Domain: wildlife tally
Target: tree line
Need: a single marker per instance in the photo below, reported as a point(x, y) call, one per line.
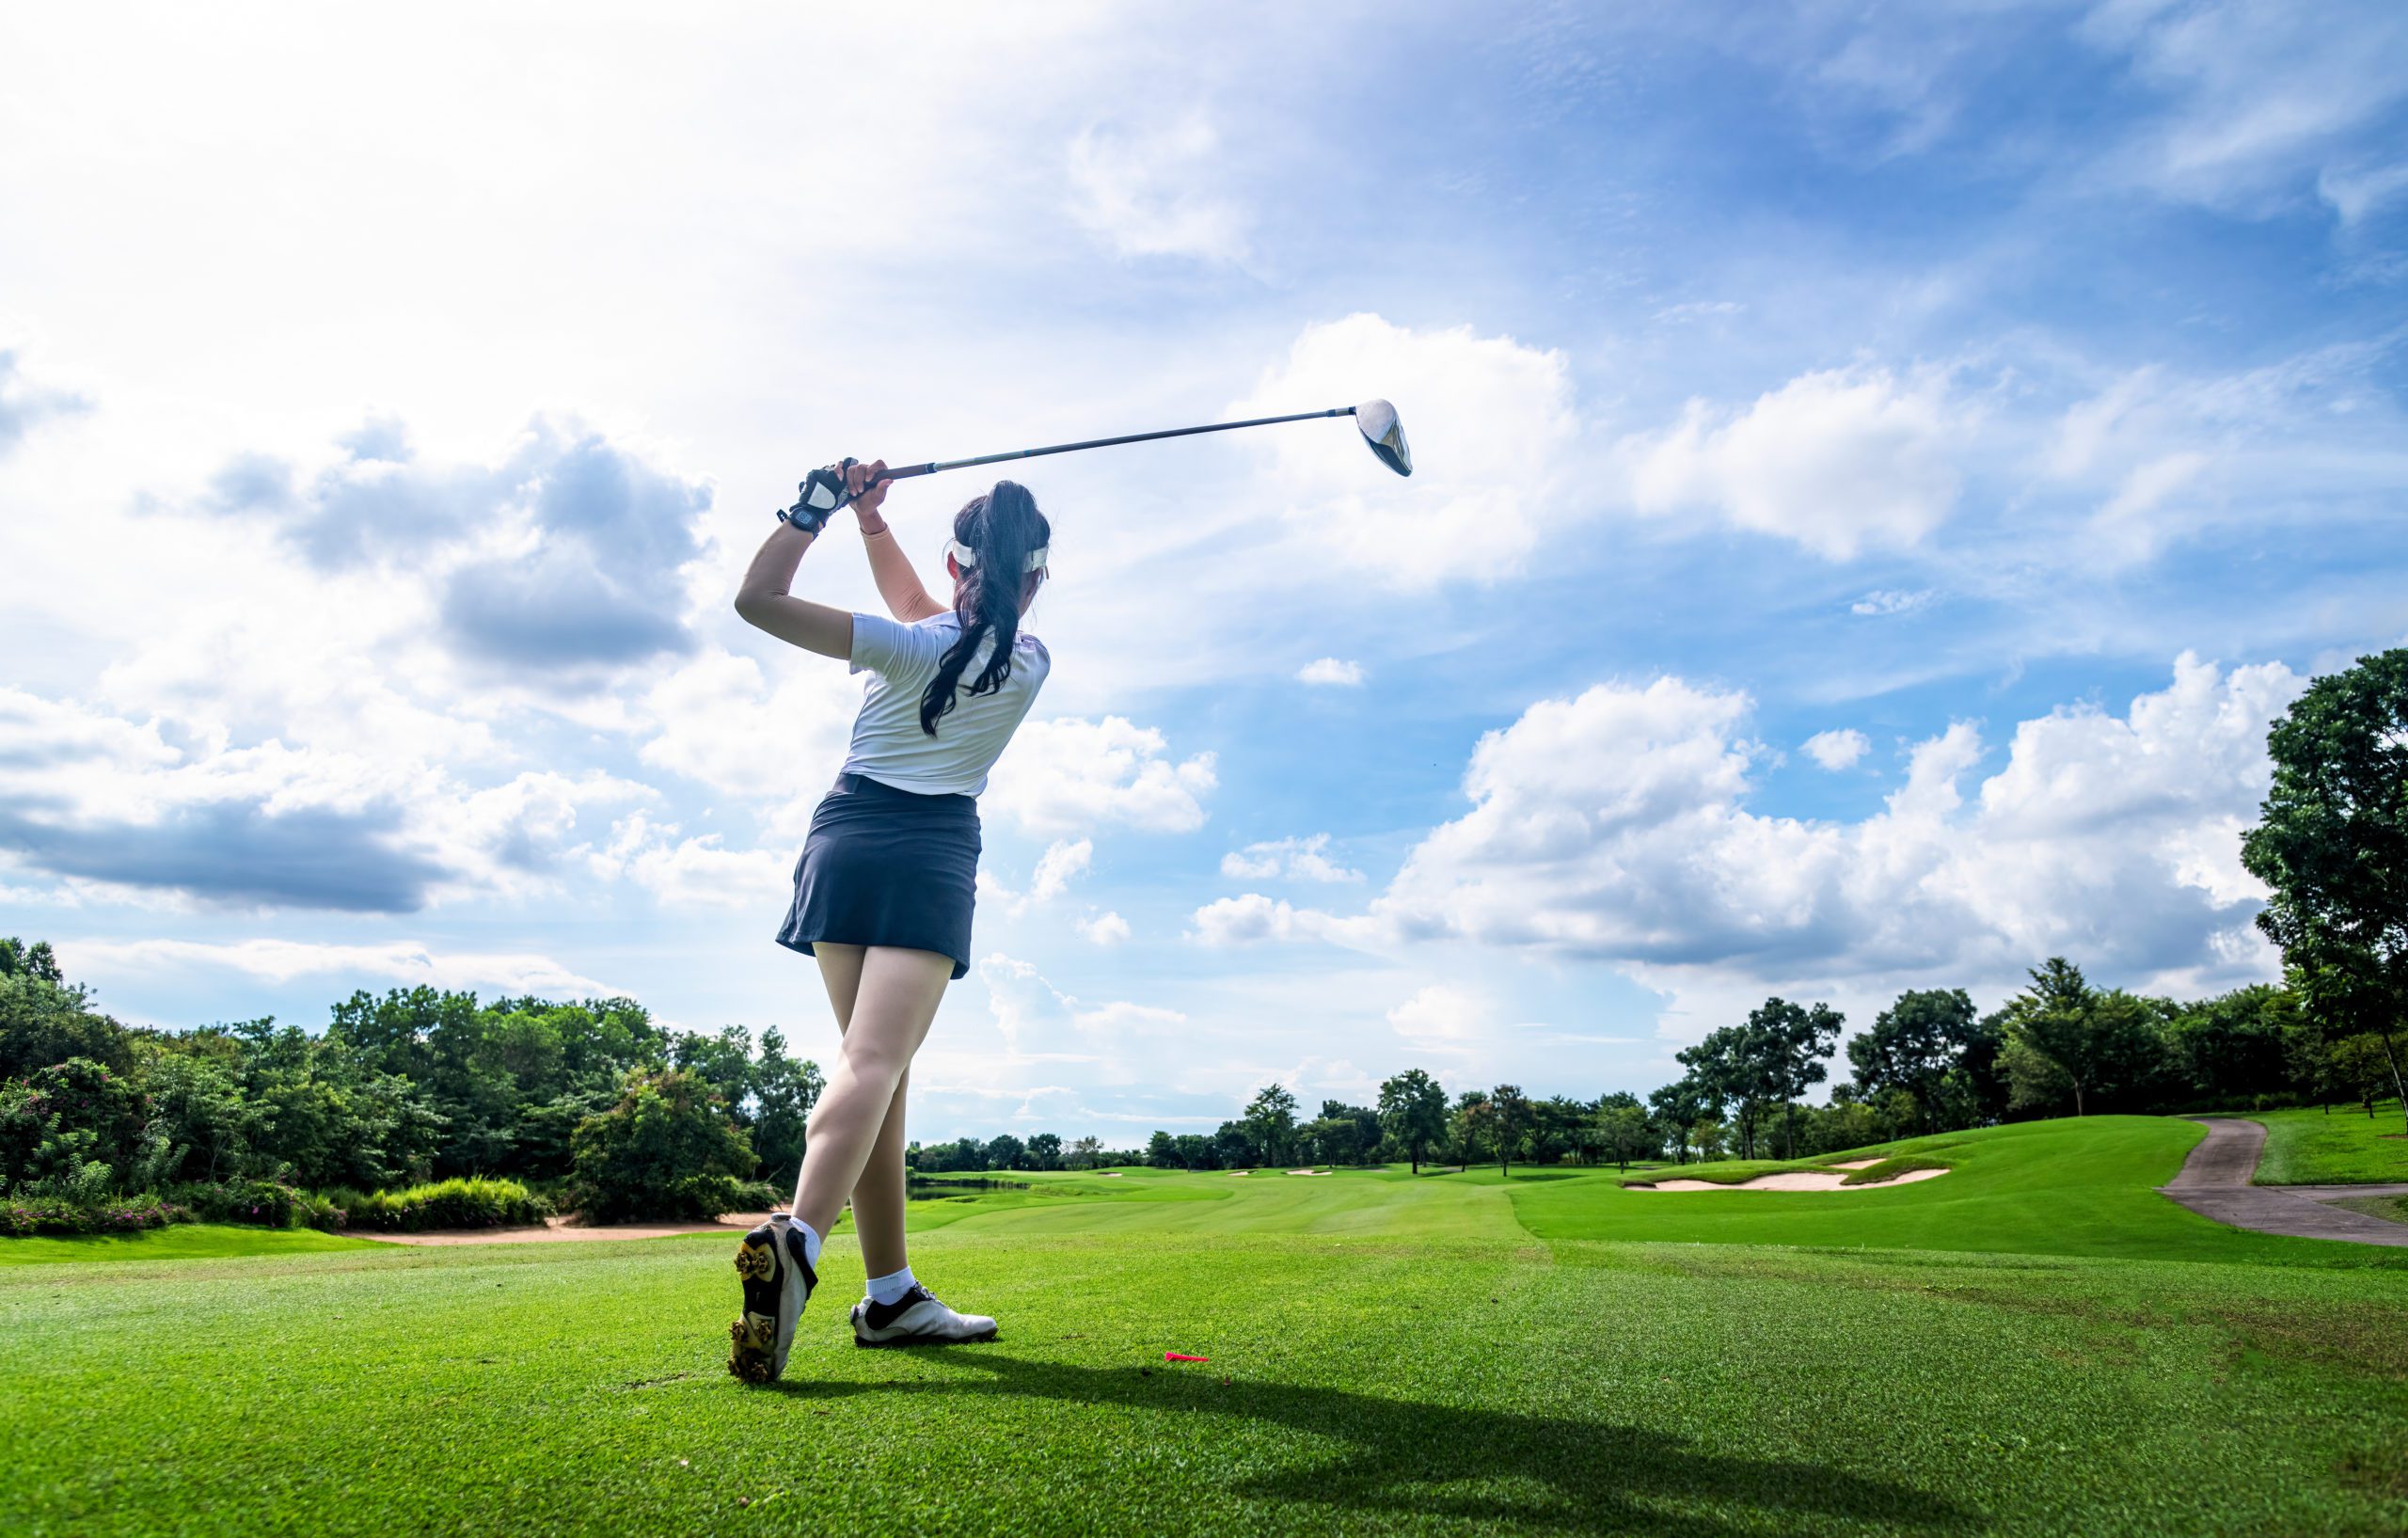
point(1930, 1062)
point(416, 1086)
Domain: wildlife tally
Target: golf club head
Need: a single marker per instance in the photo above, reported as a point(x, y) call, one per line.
point(1385, 434)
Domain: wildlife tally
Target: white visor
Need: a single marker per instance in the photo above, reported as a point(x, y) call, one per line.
point(964, 557)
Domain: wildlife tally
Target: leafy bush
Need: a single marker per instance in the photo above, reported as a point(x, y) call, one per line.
point(667, 1150)
point(320, 1213)
point(260, 1204)
point(22, 1215)
point(65, 1127)
point(457, 1203)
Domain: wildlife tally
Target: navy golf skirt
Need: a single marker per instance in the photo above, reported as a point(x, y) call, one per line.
point(882, 867)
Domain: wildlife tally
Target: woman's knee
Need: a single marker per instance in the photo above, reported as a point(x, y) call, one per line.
point(876, 1063)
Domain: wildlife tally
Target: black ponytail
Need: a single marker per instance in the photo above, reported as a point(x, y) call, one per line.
point(1001, 528)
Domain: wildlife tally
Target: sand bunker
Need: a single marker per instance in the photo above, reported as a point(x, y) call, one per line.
point(1111, 1175)
point(1856, 1163)
point(1240, 1174)
point(558, 1229)
point(1794, 1180)
point(1309, 1172)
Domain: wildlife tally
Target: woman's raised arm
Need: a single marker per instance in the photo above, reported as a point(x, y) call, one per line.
point(898, 583)
point(766, 599)
point(766, 605)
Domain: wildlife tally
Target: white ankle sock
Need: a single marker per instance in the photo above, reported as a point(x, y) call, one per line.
point(811, 1241)
point(891, 1287)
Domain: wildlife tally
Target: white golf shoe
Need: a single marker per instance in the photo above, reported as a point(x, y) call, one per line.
point(916, 1318)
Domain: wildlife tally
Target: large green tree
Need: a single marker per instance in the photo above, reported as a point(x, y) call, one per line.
point(1726, 1071)
point(2066, 1037)
point(1413, 1113)
point(1790, 1047)
point(668, 1149)
point(1625, 1132)
point(1271, 1122)
point(2236, 1046)
point(19, 960)
point(784, 1089)
point(46, 1019)
point(2332, 846)
point(1472, 1126)
point(1679, 1106)
point(1515, 1120)
point(1911, 1047)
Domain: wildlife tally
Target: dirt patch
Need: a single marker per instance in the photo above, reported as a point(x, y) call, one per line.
point(1794, 1180)
point(558, 1229)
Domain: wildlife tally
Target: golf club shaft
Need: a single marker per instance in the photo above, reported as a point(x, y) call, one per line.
point(906, 471)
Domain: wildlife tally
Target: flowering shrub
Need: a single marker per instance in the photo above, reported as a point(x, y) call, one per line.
point(471, 1203)
point(23, 1215)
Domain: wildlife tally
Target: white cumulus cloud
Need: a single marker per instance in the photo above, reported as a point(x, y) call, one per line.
point(1493, 429)
point(1333, 672)
point(1068, 775)
point(1839, 461)
point(1062, 861)
point(281, 961)
point(1614, 826)
point(1836, 750)
point(1298, 859)
point(1891, 601)
point(1442, 1017)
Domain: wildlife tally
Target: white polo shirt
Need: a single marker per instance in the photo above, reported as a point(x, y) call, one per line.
point(888, 745)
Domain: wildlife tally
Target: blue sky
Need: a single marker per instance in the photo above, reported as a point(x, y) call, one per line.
point(1880, 469)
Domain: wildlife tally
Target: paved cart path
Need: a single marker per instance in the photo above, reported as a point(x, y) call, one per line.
point(2215, 1183)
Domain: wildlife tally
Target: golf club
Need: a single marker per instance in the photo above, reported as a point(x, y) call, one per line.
point(1377, 420)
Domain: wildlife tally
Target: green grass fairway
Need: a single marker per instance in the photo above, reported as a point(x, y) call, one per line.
point(181, 1242)
point(1372, 1385)
point(2343, 1147)
point(2083, 1186)
point(2079, 1186)
point(1448, 1354)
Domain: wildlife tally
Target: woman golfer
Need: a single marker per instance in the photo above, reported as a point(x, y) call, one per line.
point(882, 892)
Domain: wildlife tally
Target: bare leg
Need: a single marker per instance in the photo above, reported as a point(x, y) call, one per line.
point(878, 1194)
point(895, 1001)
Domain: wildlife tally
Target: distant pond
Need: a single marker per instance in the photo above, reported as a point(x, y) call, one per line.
point(922, 1187)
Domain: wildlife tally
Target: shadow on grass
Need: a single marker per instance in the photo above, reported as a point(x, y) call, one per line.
point(1481, 1466)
